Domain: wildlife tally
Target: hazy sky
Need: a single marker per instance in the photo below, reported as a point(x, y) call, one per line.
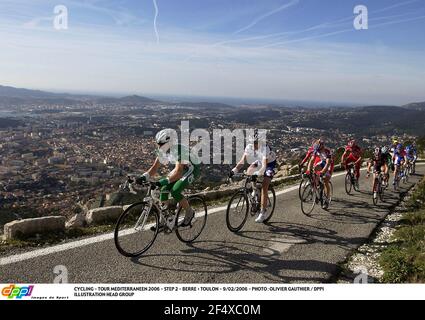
point(288, 49)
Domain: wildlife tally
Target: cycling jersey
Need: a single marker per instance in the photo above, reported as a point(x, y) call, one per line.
point(181, 154)
point(263, 152)
point(356, 151)
point(399, 157)
point(310, 152)
point(388, 158)
point(378, 163)
point(411, 154)
point(321, 157)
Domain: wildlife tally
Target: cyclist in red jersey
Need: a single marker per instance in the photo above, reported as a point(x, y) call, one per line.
point(324, 164)
point(353, 155)
point(309, 156)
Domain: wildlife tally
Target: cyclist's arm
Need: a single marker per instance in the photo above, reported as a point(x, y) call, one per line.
point(343, 156)
point(359, 160)
point(177, 173)
point(369, 164)
point(241, 163)
point(263, 167)
point(154, 169)
point(308, 155)
point(325, 169)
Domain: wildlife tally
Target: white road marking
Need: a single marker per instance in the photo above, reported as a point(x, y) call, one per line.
point(283, 244)
point(85, 242)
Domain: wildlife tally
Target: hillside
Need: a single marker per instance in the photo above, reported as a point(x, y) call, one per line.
point(415, 106)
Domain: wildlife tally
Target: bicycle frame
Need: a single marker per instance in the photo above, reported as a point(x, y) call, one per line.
point(153, 201)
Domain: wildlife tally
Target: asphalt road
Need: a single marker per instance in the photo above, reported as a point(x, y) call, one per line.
point(291, 248)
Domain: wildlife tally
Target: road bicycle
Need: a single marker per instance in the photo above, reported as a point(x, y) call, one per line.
point(305, 179)
point(378, 188)
point(248, 200)
point(399, 176)
point(138, 226)
point(408, 171)
point(350, 179)
point(314, 193)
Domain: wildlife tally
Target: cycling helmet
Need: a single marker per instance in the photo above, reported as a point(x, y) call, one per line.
point(318, 145)
point(399, 147)
point(385, 149)
point(395, 140)
point(351, 143)
point(164, 136)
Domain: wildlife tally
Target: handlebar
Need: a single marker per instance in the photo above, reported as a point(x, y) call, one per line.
point(128, 185)
point(240, 175)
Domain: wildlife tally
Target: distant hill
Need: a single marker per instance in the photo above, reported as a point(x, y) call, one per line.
point(134, 99)
point(16, 96)
point(369, 120)
point(415, 106)
point(12, 92)
point(206, 105)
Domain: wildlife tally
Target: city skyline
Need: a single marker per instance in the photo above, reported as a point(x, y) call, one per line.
point(290, 50)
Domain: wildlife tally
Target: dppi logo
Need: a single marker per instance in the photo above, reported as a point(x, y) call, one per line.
point(13, 291)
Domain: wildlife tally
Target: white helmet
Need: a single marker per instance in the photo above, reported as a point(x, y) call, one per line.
point(164, 136)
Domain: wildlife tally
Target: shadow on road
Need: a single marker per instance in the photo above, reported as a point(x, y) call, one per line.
point(215, 258)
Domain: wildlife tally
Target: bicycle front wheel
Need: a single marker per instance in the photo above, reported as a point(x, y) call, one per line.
point(331, 192)
point(191, 232)
point(376, 191)
point(381, 190)
point(136, 230)
point(308, 199)
point(348, 183)
point(304, 181)
point(237, 211)
point(271, 203)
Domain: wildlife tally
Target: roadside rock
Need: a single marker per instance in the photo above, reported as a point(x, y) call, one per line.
point(77, 221)
point(104, 214)
point(29, 227)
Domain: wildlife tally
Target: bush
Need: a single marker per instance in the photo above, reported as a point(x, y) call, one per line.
point(404, 261)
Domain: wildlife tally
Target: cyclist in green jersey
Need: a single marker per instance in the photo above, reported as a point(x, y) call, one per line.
point(186, 170)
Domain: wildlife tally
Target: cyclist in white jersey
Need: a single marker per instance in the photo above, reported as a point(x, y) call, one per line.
point(263, 163)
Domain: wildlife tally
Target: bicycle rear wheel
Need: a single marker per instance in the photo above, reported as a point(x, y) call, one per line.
point(191, 232)
point(133, 235)
point(271, 203)
point(308, 199)
point(237, 211)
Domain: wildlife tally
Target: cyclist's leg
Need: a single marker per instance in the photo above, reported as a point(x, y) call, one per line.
point(357, 170)
point(252, 168)
point(268, 176)
point(177, 193)
point(326, 180)
point(264, 192)
point(386, 170)
point(165, 190)
point(396, 169)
